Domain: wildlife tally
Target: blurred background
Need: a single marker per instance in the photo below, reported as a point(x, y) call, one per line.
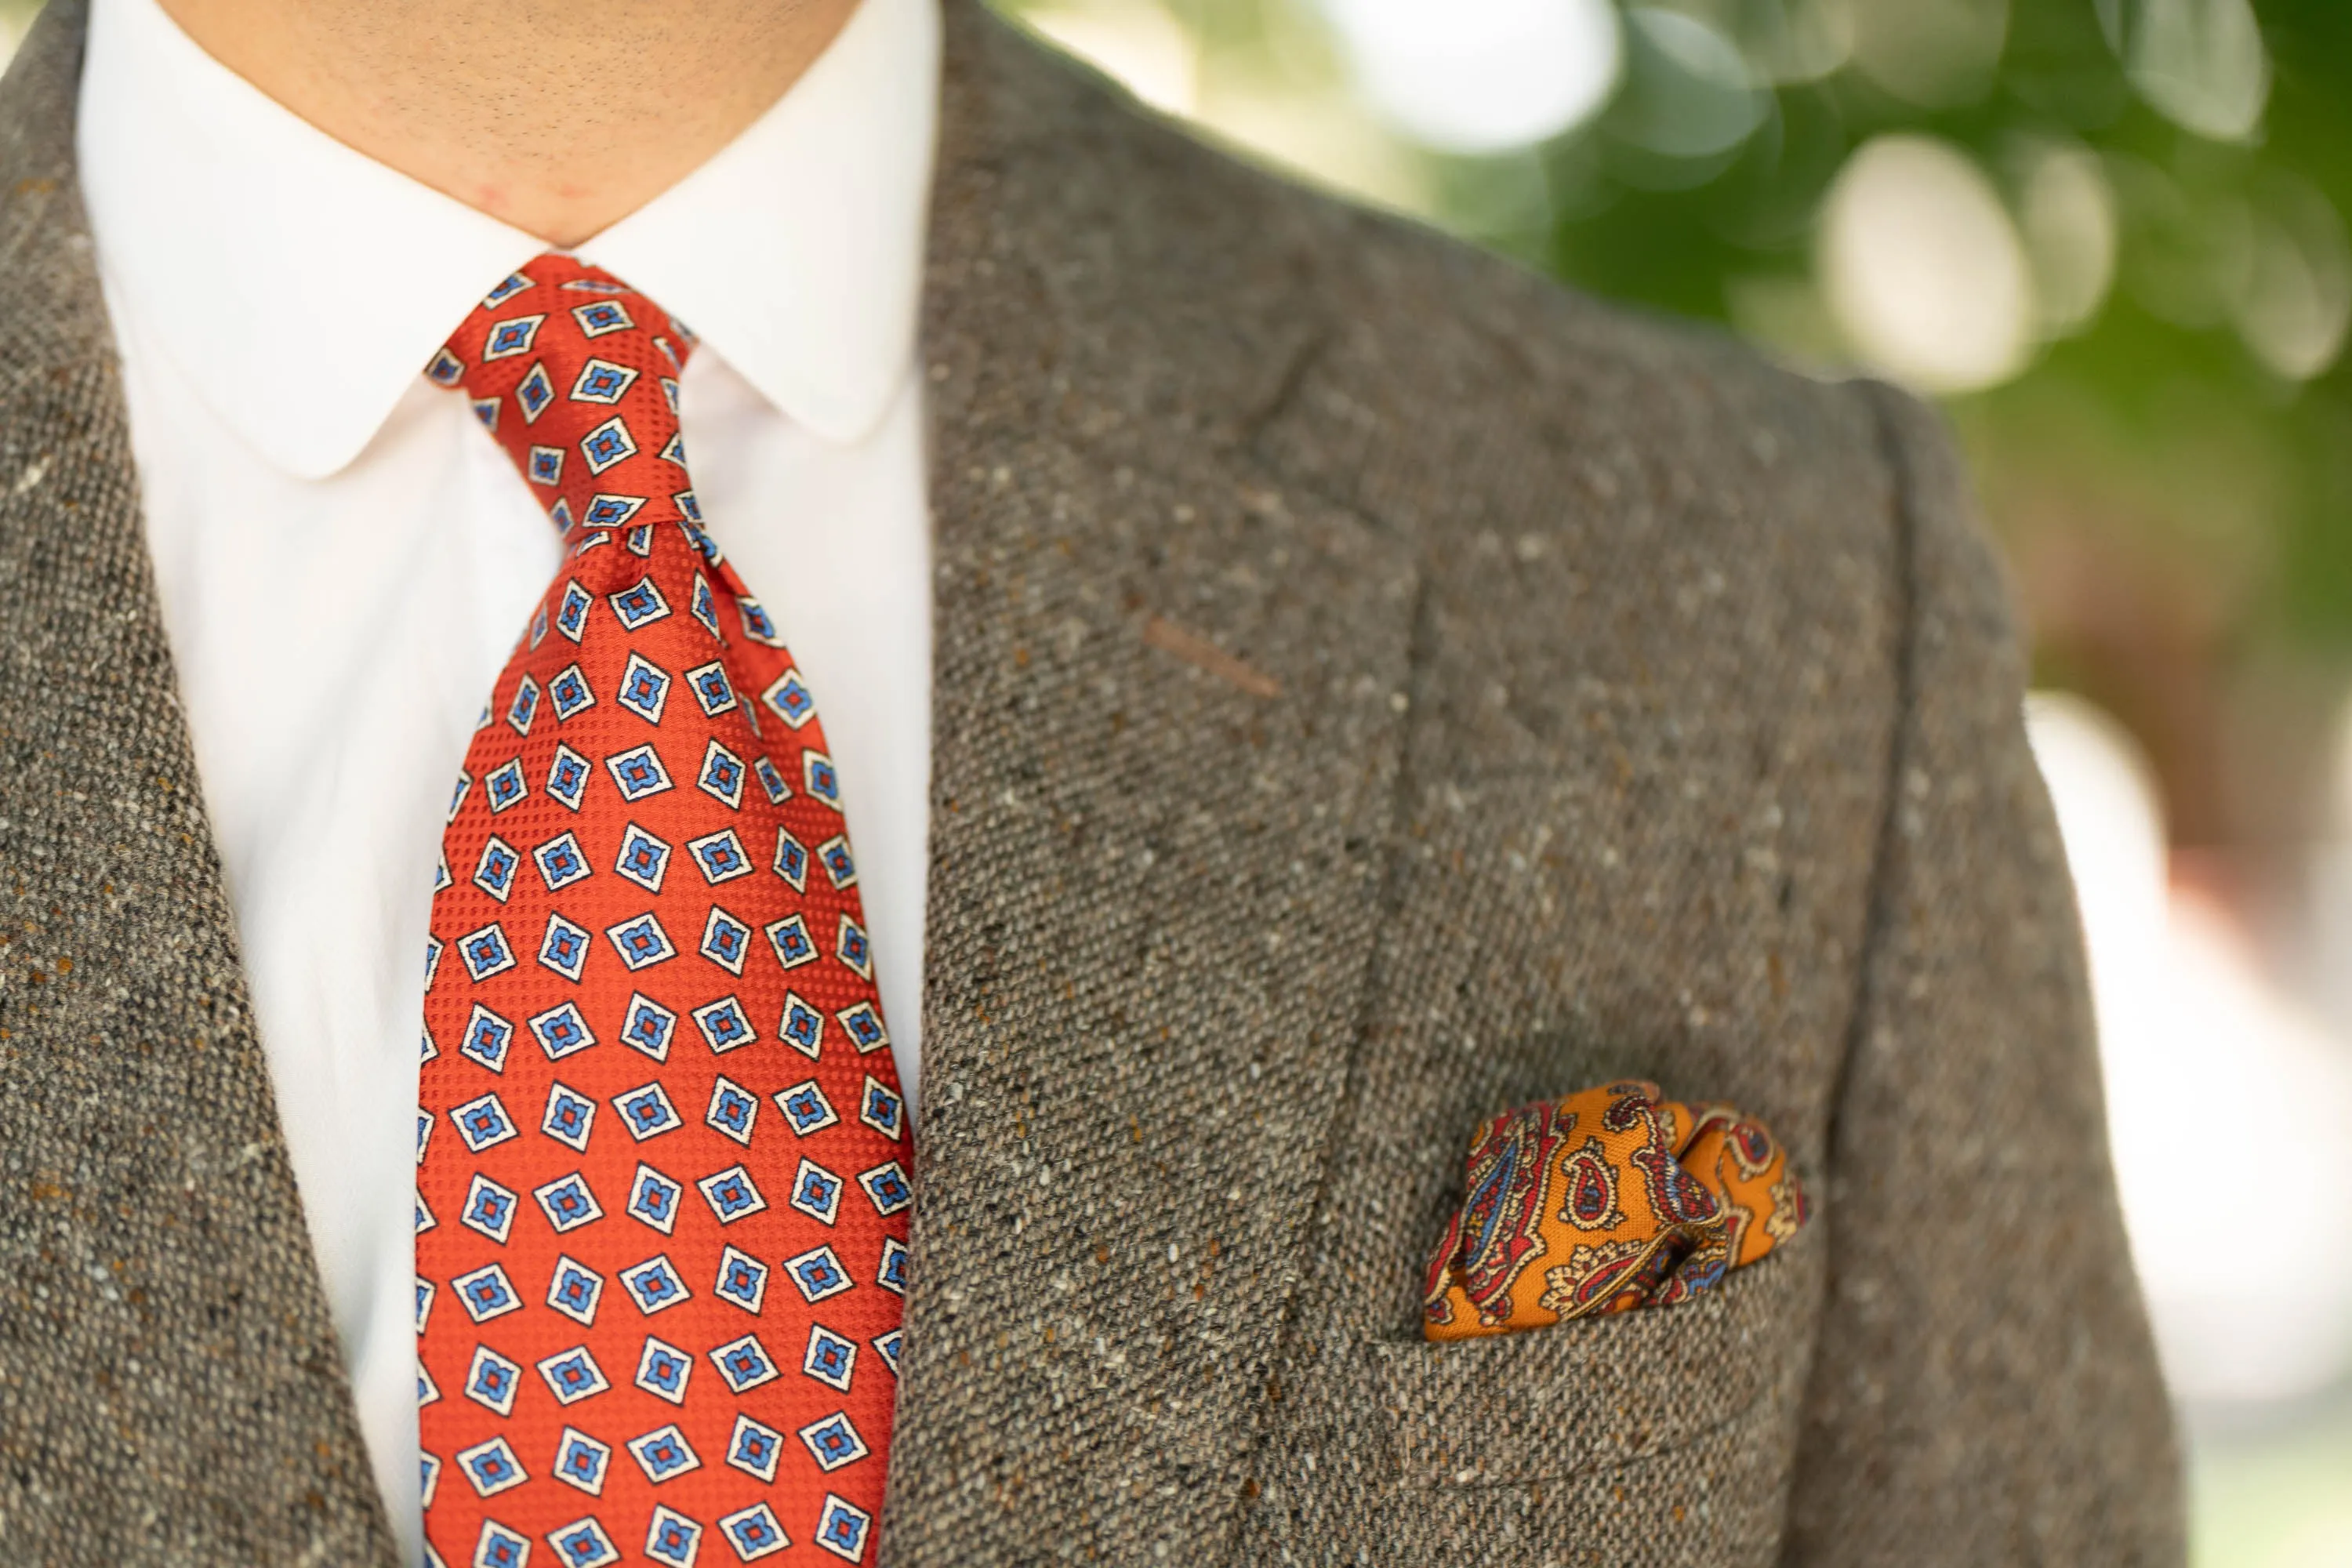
point(2109, 236)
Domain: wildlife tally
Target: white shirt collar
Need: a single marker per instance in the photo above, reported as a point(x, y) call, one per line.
point(301, 286)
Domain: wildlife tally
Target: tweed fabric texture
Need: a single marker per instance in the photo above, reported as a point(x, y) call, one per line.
point(1596, 644)
point(170, 1389)
point(1373, 689)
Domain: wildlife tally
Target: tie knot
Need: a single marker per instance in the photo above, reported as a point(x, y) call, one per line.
point(577, 375)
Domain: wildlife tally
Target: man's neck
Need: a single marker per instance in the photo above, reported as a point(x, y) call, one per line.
point(557, 115)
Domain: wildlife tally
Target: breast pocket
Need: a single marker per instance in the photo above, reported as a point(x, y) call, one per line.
point(1603, 1391)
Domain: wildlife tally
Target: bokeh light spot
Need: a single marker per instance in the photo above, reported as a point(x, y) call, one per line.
point(2198, 62)
point(1922, 266)
point(1481, 76)
point(2067, 215)
point(1689, 94)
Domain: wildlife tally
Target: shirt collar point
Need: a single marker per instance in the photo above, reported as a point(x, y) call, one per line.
point(315, 437)
point(840, 398)
point(847, 418)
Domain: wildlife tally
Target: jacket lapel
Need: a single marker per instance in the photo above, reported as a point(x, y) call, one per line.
point(1165, 747)
point(1165, 740)
point(176, 1391)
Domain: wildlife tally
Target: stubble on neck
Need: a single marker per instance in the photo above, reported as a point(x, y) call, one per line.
point(560, 117)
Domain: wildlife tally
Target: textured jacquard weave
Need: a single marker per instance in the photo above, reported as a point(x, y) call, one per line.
point(662, 1194)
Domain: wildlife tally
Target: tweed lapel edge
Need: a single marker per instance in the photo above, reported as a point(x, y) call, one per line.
point(1164, 753)
point(176, 1392)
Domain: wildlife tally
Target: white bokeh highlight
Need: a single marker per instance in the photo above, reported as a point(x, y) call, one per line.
point(1923, 268)
point(2200, 63)
point(2228, 1102)
point(1480, 76)
point(2066, 215)
point(1693, 96)
point(1147, 50)
point(2284, 272)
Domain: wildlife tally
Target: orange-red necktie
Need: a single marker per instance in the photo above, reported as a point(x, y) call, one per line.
point(662, 1185)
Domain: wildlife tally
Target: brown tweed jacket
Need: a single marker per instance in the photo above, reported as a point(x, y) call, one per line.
point(1374, 687)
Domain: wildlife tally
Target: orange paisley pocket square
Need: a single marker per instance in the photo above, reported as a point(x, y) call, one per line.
point(1607, 1200)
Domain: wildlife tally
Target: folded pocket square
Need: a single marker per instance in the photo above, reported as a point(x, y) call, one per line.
point(1629, 1199)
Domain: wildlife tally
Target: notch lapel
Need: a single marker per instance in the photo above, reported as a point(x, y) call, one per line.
point(175, 1390)
point(1165, 741)
point(1165, 754)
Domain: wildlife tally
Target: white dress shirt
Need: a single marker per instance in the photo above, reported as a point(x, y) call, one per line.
point(345, 560)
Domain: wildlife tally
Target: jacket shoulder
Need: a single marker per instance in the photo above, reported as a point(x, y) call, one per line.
point(1434, 386)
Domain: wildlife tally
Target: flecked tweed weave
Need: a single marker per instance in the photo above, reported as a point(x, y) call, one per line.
point(1374, 689)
